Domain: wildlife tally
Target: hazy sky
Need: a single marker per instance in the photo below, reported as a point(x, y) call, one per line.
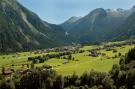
point(57, 11)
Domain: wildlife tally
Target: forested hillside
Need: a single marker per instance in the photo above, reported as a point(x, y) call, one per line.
point(21, 29)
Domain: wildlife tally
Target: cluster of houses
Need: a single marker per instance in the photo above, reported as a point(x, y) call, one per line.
point(59, 49)
point(96, 52)
point(61, 52)
point(9, 72)
point(93, 53)
point(107, 46)
point(66, 50)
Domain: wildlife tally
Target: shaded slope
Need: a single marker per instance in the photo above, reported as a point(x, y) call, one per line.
point(21, 29)
point(97, 25)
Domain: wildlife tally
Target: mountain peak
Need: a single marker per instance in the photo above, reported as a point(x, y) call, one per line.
point(133, 8)
point(109, 10)
point(98, 12)
point(120, 10)
point(73, 19)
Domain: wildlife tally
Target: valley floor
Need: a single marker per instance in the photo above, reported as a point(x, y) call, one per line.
point(82, 61)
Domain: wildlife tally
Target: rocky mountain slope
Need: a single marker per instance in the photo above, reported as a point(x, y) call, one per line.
point(97, 26)
point(21, 29)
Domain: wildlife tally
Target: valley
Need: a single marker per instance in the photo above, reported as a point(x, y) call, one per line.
point(93, 49)
point(102, 60)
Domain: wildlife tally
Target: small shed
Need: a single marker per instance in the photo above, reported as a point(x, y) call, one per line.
point(8, 72)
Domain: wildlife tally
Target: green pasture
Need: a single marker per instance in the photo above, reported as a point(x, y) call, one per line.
point(81, 64)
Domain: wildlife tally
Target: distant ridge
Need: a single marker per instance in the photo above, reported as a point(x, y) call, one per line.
point(23, 30)
point(98, 26)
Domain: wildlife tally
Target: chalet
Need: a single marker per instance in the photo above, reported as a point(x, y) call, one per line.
point(65, 62)
point(8, 72)
point(47, 67)
point(25, 71)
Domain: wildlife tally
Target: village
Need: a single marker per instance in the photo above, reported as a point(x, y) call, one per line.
point(65, 53)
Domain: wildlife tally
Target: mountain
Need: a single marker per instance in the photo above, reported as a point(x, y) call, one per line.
point(70, 23)
point(127, 29)
point(133, 8)
point(21, 29)
point(97, 25)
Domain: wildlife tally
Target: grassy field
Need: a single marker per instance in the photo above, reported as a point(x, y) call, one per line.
point(87, 63)
point(81, 64)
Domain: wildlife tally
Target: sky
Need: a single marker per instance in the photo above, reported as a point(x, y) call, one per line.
point(58, 11)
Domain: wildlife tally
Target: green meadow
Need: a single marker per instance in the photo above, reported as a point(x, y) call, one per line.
point(81, 64)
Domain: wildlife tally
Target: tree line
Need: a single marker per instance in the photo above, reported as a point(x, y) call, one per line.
point(121, 76)
point(43, 58)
